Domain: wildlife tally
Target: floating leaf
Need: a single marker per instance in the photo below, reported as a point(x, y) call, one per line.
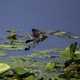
point(30, 78)
point(50, 66)
point(2, 53)
point(40, 53)
point(20, 70)
point(4, 67)
point(12, 47)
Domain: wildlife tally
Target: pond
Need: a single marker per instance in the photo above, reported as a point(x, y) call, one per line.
point(48, 59)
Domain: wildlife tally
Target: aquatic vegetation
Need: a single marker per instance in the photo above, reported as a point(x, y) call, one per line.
point(41, 65)
point(50, 66)
point(71, 52)
point(17, 46)
point(2, 53)
point(30, 40)
point(4, 67)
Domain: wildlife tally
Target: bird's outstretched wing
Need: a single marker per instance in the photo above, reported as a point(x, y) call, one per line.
point(11, 30)
point(63, 34)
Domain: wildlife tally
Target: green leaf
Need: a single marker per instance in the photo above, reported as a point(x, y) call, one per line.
point(65, 54)
point(2, 53)
point(40, 53)
point(4, 67)
point(50, 66)
point(20, 70)
point(30, 78)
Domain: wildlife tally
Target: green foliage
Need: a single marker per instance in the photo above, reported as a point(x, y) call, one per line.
point(66, 54)
point(40, 53)
point(30, 78)
point(20, 70)
point(4, 67)
point(50, 66)
point(47, 69)
point(70, 52)
point(2, 53)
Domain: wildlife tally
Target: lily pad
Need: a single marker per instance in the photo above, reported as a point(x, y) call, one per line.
point(20, 70)
point(40, 53)
point(2, 53)
point(50, 66)
point(4, 67)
